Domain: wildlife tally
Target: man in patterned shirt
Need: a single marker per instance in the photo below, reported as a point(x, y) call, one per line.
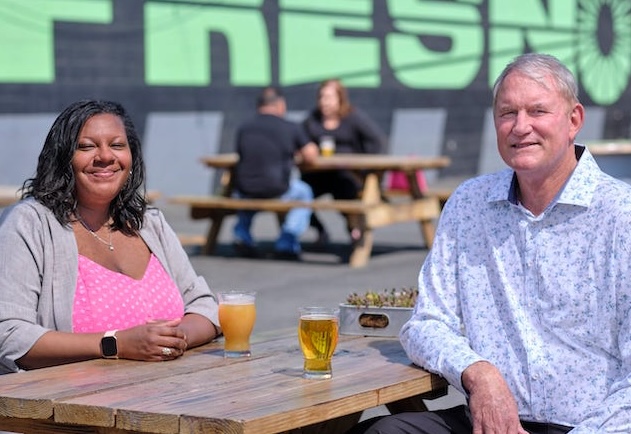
point(525, 297)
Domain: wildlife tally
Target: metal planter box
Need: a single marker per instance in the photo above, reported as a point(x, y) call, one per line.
point(373, 321)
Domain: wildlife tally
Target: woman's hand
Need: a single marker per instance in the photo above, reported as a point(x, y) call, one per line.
point(154, 341)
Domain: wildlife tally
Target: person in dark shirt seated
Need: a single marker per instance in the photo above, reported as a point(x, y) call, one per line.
point(336, 122)
point(267, 145)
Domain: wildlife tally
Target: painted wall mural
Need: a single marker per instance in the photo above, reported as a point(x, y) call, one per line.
point(189, 70)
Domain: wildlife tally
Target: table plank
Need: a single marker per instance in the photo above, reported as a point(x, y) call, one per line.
point(8, 195)
point(31, 394)
point(265, 395)
point(379, 162)
point(610, 147)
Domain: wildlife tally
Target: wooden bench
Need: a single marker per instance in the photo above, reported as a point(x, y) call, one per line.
point(8, 195)
point(440, 189)
point(442, 194)
point(361, 214)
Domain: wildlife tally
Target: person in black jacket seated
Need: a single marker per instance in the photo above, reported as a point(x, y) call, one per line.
point(351, 131)
point(267, 145)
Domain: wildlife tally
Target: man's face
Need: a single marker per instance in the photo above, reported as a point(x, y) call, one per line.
point(535, 125)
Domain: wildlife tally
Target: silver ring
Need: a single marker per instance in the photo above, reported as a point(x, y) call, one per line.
point(166, 351)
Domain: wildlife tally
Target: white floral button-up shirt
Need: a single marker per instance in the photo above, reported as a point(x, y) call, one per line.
point(546, 299)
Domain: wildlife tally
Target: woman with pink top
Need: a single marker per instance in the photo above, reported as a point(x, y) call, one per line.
point(87, 269)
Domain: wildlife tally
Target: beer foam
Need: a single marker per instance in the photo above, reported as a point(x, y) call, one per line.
point(236, 298)
point(318, 316)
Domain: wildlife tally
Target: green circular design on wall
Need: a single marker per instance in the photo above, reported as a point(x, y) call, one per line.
point(604, 75)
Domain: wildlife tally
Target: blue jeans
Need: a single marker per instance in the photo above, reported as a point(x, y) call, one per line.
point(296, 220)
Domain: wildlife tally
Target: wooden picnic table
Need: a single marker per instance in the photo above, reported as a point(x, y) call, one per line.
point(8, 195)
point(202, 392)
point(370, 211)
point(610, 147)
point(613, 157)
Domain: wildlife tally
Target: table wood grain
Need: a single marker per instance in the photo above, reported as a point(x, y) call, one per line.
point(8, 195)
point(610, 147)
point(379, 162)
point(203, 392)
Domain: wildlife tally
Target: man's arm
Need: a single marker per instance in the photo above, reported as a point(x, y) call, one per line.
point(613, 414)
point(309, 152)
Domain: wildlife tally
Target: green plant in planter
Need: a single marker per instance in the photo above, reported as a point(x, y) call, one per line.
point(404, 297)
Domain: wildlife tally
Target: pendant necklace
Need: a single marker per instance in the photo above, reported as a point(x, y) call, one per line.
point(95, 235)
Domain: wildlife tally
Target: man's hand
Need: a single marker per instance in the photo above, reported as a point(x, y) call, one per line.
point(493, 407)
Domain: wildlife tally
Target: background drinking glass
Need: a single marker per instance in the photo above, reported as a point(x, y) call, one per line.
point(237, 314)
point(327, 146)
point(317, 333)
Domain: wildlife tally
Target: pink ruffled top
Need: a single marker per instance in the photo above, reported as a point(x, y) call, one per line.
point(108, 300)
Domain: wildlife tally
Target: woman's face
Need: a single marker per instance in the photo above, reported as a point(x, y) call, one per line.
point(102, 161)
point(329, 101)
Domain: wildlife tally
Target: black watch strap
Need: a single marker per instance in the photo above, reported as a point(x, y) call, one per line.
point(109, 345)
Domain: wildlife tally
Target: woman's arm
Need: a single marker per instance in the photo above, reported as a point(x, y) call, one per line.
point(146, 342)
point(198, 330)
point(372, 140)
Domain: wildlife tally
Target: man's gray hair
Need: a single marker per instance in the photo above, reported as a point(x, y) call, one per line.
point(538, 67)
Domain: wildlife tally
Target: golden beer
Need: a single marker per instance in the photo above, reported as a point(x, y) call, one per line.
point(317, 333)
point(327, 151)
point(237, 315)
point(327, 146)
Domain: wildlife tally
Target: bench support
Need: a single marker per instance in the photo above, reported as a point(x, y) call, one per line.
point(366, 215)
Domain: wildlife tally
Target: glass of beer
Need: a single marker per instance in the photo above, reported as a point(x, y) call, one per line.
point(237, 314)
point(327, 146)
point(317, 333)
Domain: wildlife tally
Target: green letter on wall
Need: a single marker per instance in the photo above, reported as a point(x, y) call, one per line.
point(604, 71)
point(420, 67)
point(310, 50)
point(177, 51)
point(546, 30)
point(26, 32)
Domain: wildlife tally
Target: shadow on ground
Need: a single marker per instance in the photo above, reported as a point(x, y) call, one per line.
point(312, 253)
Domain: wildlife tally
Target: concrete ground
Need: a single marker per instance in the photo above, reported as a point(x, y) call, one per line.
point(322, 278)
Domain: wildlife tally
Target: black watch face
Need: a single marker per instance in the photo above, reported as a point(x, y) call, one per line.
point(108, 345)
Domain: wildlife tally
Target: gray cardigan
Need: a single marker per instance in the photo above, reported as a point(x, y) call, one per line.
point(38, 275)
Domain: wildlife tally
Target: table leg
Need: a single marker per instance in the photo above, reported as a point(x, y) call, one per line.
point(371, 191)
point(428, 228)
point(213, 232)
point(361, 248)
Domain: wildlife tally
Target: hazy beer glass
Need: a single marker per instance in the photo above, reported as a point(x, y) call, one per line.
point(327, 146)
point(317, 333)
point(237, 314)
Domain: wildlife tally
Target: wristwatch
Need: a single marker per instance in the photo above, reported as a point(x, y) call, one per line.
point(109, 349)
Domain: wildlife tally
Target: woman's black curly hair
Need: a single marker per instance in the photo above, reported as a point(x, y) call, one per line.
point(54, 181)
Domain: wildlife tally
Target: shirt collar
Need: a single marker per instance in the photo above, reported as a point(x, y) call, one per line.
point(578, 189)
